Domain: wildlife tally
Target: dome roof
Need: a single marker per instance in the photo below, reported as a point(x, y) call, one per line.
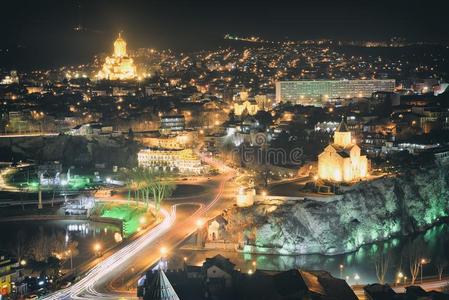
point(120, 46)
point(119, 40)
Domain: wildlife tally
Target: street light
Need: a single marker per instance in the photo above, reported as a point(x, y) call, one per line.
point(199, 223)
point(341, 271)
point(23, 262)
point(199, 226)
point(399, 277)
point(97, 248)
point(424, 261)
point(163, 251)
point(356, 278)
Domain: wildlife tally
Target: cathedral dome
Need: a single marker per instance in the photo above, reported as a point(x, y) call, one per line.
point(119, 47)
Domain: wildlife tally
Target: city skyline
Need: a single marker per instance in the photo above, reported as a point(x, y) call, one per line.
point(73, 31)
point(244, 150)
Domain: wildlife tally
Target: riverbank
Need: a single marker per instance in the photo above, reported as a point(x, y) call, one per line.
point(431, 244)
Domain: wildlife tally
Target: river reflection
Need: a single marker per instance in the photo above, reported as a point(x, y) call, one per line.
point(432, 245)
point(84, 233)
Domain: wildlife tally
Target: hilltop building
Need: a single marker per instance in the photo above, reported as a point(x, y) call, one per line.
point(341, 161)
point(119, 66)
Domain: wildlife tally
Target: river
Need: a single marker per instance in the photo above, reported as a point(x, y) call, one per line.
point(432, 245)
point(85, 234)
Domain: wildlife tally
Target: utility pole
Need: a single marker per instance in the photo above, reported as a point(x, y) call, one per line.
point(39, 205)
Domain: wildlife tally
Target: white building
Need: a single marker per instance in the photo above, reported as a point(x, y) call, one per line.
point(318, 91)
point(183, 161)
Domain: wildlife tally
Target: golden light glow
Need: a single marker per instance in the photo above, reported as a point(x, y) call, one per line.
point(97, 247)
point(342, 161)
point(119, 66)
point(199, 223)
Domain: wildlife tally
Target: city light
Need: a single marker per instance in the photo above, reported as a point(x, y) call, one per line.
point(215, 161)
point(163, 251)
point(97, 247)
point(199, 223)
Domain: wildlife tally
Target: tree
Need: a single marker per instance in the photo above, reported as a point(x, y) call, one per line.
point(415, 254)
point(381, 263)
point(125, 175)
point(441, 262)
point(146, 182)
point(39, 247)
point(18, 248)
point(161, 188)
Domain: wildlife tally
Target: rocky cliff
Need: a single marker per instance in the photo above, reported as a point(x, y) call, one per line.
point(71, 150)
point(366, 212)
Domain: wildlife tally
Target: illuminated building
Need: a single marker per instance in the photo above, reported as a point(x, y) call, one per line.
point(249, 107)
point(118, 66)
point(183, 161)
point(10, 79)
point(316, 91)
point(243, 104)
point(179, 141)
point(8, 273)
point(342, 161)
point(171, 124)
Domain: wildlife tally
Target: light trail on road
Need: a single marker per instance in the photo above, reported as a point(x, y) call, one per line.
point(28, 135)
point(85, 288)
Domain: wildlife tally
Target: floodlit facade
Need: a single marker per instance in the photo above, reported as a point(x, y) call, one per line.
point(118, 66)
point(171, 124)
point(184, 161)
point(250, 107)
point(342, 161)
point(315, 91)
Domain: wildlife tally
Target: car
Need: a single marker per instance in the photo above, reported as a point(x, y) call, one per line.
point(32, 297)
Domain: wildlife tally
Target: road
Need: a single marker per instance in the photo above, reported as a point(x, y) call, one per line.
point(19, 135)
point(429, 284)
point(110, 278)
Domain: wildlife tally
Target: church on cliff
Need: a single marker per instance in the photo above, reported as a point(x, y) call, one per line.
point(342, 161)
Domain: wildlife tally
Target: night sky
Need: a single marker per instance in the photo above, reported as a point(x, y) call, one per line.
point(45, 28)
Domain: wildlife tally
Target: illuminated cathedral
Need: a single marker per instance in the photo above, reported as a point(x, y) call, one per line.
point(341, 161)
point(119, 66)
